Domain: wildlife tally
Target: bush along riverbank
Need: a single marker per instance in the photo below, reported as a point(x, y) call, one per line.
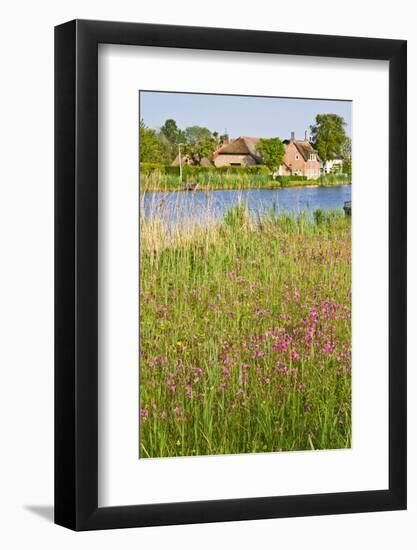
point(157, 177)
point(245, 334)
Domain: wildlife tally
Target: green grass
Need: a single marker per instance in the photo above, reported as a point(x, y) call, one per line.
point(210, 180)
point(245, 335)
point(157, 181)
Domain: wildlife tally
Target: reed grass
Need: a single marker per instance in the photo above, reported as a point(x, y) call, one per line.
point(156, 181)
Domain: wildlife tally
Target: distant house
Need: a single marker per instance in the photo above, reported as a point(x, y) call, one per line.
point(239, 152)
point(301, 159)
point(334, 166)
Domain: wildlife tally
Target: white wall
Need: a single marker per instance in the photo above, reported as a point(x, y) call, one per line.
point(26, 292)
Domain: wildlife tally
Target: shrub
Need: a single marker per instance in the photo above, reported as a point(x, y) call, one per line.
point(172, 171)
point(151, 167)
point(237, 170)
point(191, 170)
point(334, 179)
point(288, 179)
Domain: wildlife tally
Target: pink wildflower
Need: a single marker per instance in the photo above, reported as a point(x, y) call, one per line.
point(328, 347)
point(313, 313)
point(188, 391)
point(144, 414)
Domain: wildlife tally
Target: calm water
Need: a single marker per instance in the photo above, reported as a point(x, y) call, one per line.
point(182, 206)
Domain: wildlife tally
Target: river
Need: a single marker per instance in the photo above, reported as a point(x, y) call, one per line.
point(196, 206)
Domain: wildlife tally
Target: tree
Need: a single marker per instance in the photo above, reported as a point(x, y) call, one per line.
point(200, 149)
point(328, 135)
point(199, 143)
point(151, 146)
point(272, 152)
point(347, 156)
point(347, 148)
point(173, 135)
point(194, 134)
point(166, 151)
point(171, 131)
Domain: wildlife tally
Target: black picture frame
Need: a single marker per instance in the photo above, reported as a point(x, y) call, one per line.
point(76, 273)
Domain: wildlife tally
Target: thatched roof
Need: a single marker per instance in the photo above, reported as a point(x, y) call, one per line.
point(304, 147)
point(243, 145)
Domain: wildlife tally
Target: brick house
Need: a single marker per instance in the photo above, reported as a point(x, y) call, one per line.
point(239, 152)
point(301, 159)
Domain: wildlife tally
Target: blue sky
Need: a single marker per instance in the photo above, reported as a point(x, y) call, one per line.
point(239, 115)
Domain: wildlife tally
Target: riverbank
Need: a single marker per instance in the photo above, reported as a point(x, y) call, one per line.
point(229, 182)
point(245, 334)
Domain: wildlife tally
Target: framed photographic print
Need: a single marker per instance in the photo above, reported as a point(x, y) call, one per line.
point(230, 247)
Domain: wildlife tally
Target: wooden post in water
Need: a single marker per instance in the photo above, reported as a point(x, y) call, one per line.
point(348, 208)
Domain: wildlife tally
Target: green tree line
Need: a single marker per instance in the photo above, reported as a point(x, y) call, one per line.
point(328, 137)
point(162, 145)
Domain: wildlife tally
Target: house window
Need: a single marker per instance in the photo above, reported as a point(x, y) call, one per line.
point(297, 157)
point(313, 156)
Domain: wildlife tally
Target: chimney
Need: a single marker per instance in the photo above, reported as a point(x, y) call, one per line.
point(292, 136)
point(305, 136)
point(224, 139)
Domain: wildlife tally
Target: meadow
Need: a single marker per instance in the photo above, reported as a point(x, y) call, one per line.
point(245, 334)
